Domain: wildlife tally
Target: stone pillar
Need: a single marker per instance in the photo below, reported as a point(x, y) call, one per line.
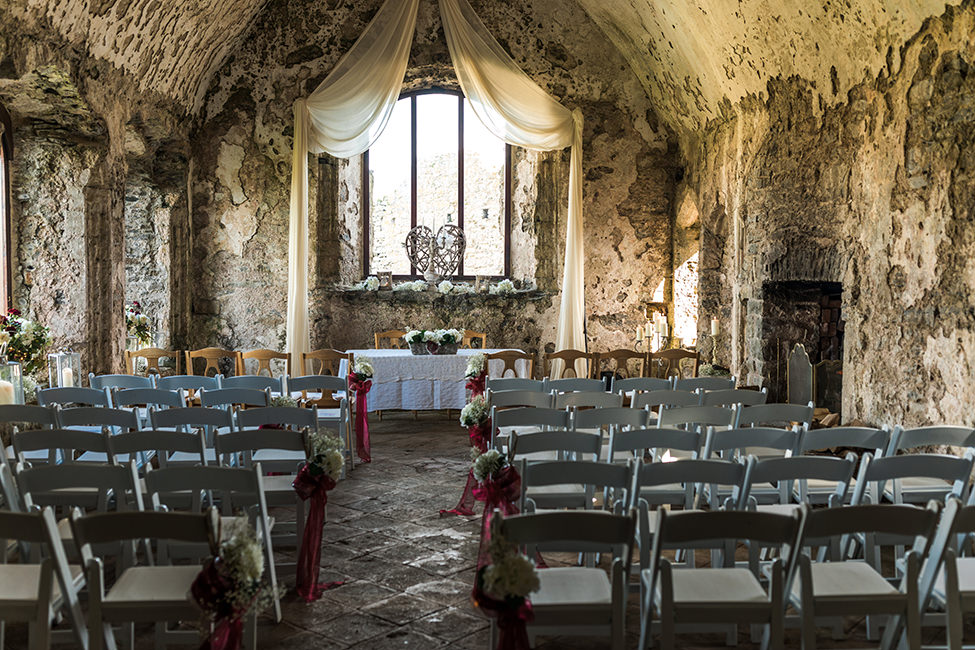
point(327, 222)
point(105, 257)
point(549, 207)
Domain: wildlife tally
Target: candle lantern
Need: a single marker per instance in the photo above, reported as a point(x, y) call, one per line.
point(64, 369)
point(11, 382)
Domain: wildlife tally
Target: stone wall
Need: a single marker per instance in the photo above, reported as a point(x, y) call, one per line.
point(875, 192)
point(241, 185)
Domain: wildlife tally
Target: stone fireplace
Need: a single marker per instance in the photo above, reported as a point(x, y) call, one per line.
point(803, 312)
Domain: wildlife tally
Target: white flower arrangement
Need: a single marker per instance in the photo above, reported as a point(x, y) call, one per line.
point(463, 288)
point(414, 336)
point(327, 455)
point(415, 285)
point(510, 574)
point(242, 565)
point(442, 336)
point(476, 365)
point(476, 412)
point(431, 336)
point(445, 287)
point(369, 284)
point(285, 401)
point(488, 464)
point(503, 288)
point(362, 367)
point(450, 336)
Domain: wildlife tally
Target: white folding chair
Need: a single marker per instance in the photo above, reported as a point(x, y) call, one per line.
point(605, 421)
point(211, 420)
point(60, 445)
point(542, 446)
point(231, 489)
point(919, 489)
point(111, 382)
point(588, 399)
point(640, 384)
point(281, 417)
point(837, 587)
point(514, 383)
point(257, 382)
point(35, 417)
point(140, 400)
point(191, 384)
point(575, 600)
point(591, 475)
point(97, 419)
point(69, 395)
point(862, 439)
point(163, 444)
point(775, 415)
point(722, 594)
point(89, 486)
point(334, 403)
point(789, 477)
point(505, 421)
point(704, 383)
point(733, 396)
point(38, 593)
point(230, 398)
point(517, 397)
point(143, 593)
point(573, 384)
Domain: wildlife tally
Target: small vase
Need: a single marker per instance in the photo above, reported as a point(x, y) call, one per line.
point(447, 348)
point(418, 348)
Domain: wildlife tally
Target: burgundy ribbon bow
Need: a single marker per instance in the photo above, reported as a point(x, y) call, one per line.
point(476, 384)
point(502, 492)
point(480, 435)
point(210, 589)
point(513, 616)
point(361, 388)
point(314, 487)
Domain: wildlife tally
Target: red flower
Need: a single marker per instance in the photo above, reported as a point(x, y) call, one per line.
point(13, 312)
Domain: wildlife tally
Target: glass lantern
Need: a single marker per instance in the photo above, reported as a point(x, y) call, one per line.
point(11, 382)
point(64, 369)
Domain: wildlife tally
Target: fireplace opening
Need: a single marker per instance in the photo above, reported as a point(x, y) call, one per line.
point(809, 313)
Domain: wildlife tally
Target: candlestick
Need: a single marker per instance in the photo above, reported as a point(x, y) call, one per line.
point(67, 377)
point(6, 392)
point(714, 327)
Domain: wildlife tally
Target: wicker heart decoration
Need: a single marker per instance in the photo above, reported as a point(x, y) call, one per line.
point(447, 248)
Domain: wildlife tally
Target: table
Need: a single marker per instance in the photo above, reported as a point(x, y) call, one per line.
point(422, 382)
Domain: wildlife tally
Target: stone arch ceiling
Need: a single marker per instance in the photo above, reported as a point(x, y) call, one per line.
point(699, 58)
point(696, 58)
point(171, 47)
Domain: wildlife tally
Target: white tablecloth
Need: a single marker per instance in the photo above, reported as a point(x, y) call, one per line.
point(402, 380)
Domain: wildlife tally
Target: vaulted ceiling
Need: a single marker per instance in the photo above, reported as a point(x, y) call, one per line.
point(696, 58)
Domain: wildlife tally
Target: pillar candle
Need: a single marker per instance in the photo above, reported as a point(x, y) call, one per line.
point(67, 377)
point(714, 327)
point(6, 392)
point(639, 332)
point(664, 328)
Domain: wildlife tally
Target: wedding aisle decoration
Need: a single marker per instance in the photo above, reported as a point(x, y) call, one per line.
point(476, 417)
point(476, 374)
point(230, 586)
point(137, 324)
point(360, 382)
point(504, 580)
point(315, 478)
point(443, 341)
point(28, 341)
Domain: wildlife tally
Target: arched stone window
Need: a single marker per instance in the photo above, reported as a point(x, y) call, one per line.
point(436, 164)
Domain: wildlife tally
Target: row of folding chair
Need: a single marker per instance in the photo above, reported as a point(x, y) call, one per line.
point(277, 385)
point(616, 384)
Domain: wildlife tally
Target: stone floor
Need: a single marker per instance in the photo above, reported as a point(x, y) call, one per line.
point(408, 572)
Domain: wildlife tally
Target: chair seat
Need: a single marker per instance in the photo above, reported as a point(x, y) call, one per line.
point(153, 586)
point(539, 456)
point(572, 585)
point(717, 587)
point(966, 578)
point(555, 496)
point(19, 583)
point(189, 458)
point(779, 508)
point(279, 483)
point(919, 489)
point(278, 455)
point(847, 581)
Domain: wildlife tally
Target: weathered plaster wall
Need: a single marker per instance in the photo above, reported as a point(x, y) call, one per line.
point(242, 183)
point(875, 192)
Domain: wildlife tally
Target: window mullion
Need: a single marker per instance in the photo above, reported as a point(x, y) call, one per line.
point(460, 172)
point(413, 171)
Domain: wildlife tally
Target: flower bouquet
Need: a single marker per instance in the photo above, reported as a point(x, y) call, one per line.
point(137, 324)
point(28, 341)
point(501, 590)
point(443, 341)
point(475, 417)
point(476, 374)
point(360, 382)
point(317, 476)
point(498, 482)
point(230, 586)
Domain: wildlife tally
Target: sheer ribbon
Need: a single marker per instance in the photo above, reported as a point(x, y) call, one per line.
point(350, 108)
point(315, 488)
point(480, 437)
point(361, 389)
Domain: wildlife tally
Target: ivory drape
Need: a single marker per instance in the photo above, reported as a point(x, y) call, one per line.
point(350, 108)
point(343, 116)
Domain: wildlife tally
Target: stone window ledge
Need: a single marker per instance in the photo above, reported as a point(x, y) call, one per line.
point(426, 297)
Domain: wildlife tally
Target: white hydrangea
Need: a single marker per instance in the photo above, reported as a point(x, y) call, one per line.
point(503, 288)
point(463, 288)
point(445, 287)
point(456, 335)
point(487, 464)
point(475, 412)
point(431, 336)
point(414, 336)
point(476, 365)
point(510, 576)
point(416, 285)
point(241, 553)
point(372, 283)
point(363, 366)
point(327, 453)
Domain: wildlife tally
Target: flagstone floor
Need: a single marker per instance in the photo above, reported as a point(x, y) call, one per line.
point(408, 572)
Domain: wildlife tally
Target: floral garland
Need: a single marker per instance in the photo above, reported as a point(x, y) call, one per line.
point(137, 324)
point(415, 285)
point(27, 340)
point(230, 585)
point(316, 477)
point(440, 337)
